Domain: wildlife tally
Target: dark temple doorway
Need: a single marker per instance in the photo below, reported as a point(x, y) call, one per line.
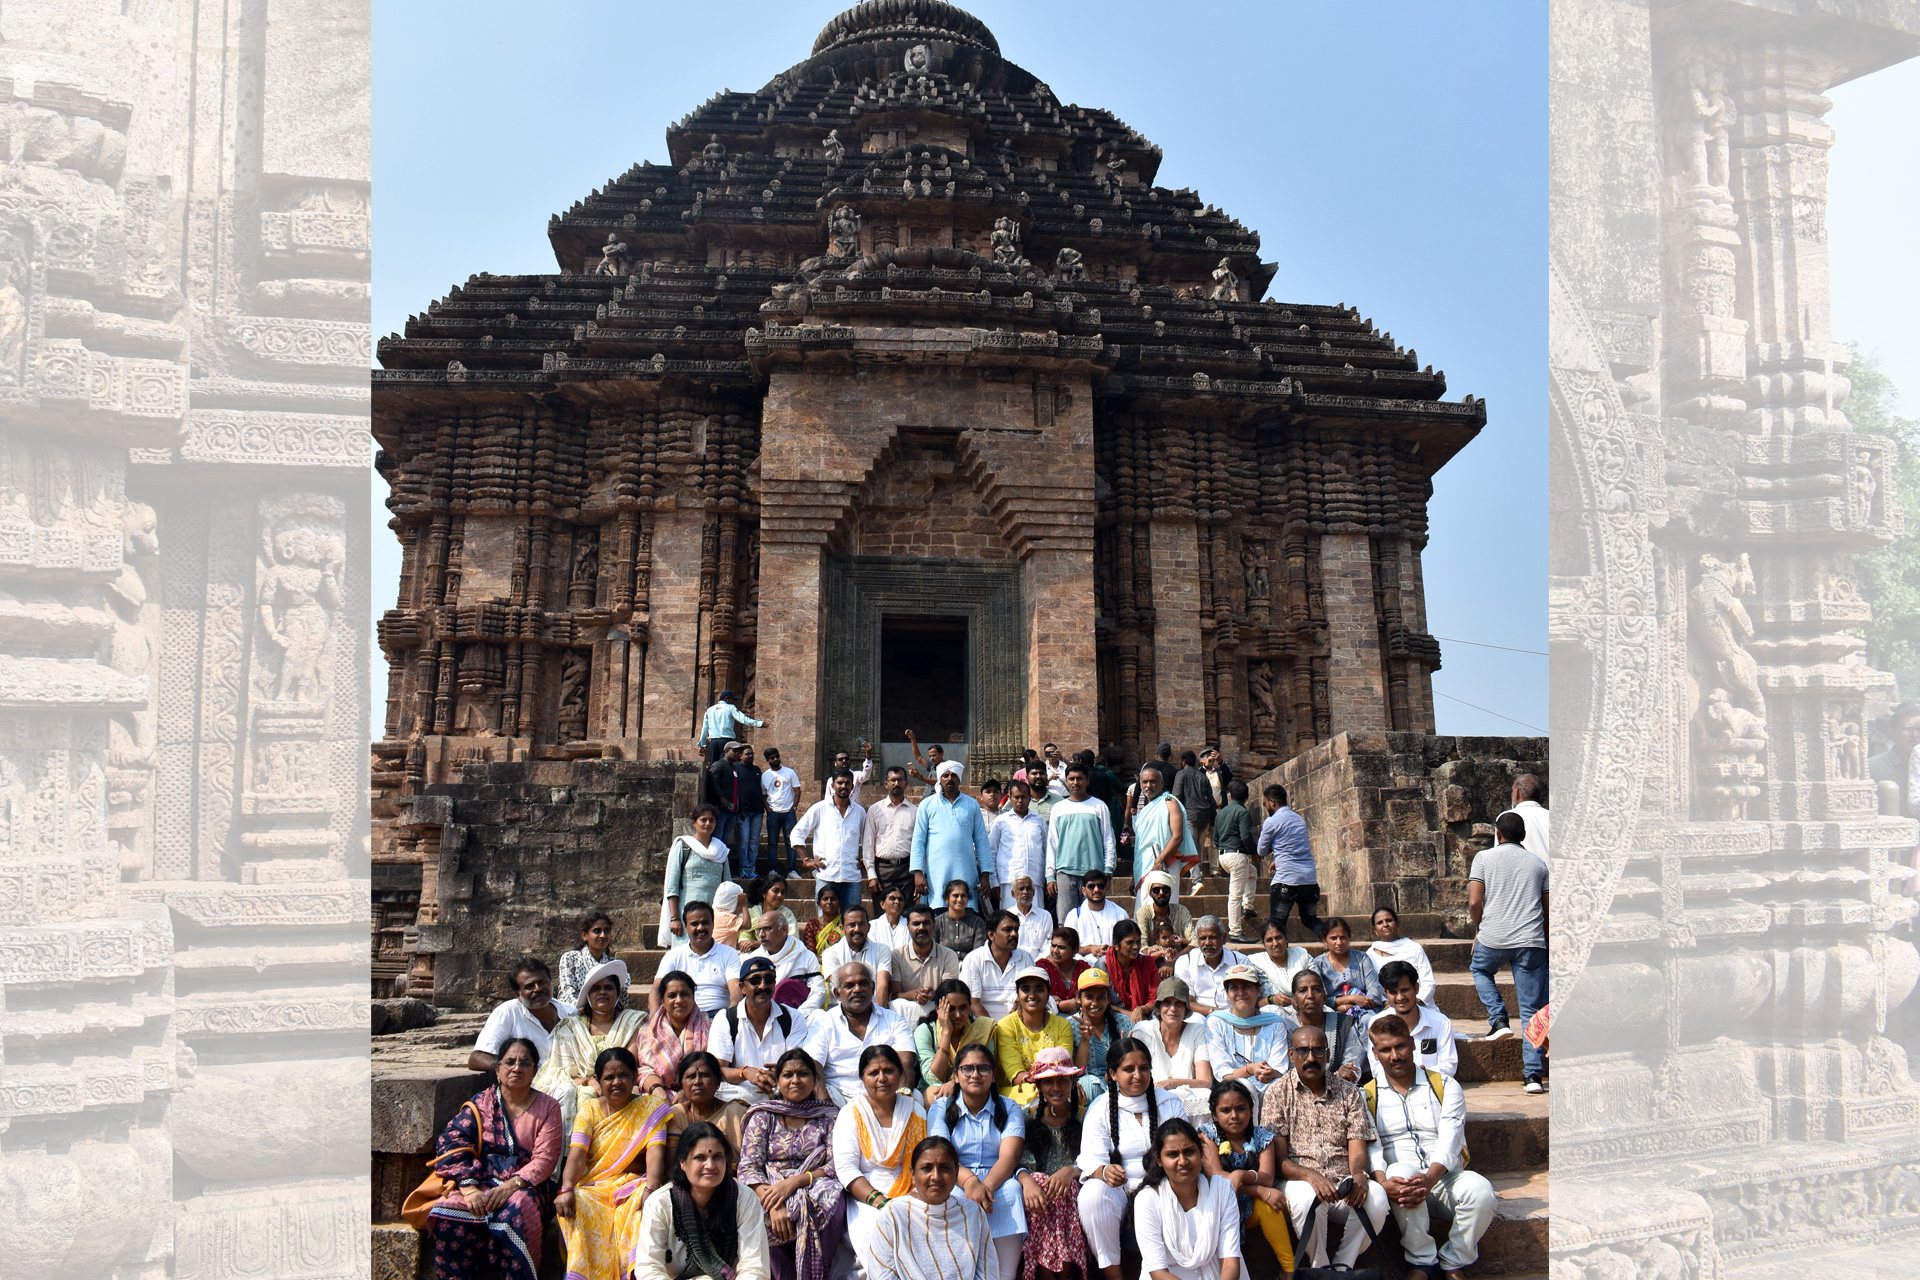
point(923, 679)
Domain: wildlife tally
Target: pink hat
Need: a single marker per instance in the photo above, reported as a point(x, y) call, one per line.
point(1052, 1062)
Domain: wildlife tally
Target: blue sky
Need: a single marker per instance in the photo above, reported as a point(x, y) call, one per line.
point(1391, 155)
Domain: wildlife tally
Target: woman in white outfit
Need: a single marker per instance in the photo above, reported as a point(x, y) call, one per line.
point(1388, 946)
point(873, 1138)
point(1179, 1047)
point(932, 1234)
point(1114, 1141)
point(1185, 1219)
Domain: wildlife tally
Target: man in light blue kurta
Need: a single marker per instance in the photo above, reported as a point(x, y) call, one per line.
point(950, 841)
point(722, 724)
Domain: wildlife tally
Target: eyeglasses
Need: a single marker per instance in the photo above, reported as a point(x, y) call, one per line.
point(1321, 1052)
point(974, 1069)
point(761, 980)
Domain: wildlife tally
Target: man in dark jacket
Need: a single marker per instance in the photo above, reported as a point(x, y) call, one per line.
point(1195, 794)
point(723, 791)
point(753, 812)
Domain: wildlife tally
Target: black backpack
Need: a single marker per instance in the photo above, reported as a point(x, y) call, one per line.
point(781, 1014)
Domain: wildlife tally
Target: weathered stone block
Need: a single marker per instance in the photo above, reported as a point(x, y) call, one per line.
point(411, 1106)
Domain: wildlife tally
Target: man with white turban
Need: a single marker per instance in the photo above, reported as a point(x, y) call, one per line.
point(950, 839)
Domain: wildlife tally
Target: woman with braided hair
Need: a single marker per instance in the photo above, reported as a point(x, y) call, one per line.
point(1113, 1147)
point(705, 1225)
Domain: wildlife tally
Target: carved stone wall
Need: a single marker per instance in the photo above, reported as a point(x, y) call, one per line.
point(184, 233)
point(1726, 948)
point(1395, 818)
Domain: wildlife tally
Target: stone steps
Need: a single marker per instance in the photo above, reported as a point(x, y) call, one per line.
point(1506, 1127)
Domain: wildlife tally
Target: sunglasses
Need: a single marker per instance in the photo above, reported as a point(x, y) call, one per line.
point(761, 980)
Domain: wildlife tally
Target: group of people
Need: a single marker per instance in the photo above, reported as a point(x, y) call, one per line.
point(967, 1091)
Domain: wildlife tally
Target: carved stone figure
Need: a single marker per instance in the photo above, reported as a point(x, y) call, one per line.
point(1260, 690)
point(1719, 622)
point(1068, 268)
point(835, 149)
point(1005, 241)
point(613, 257)
point(714, 154)
point(843, 232)
point(302, 554)
point(1713, 113)
point(1226, 285)
point(1253, 568)
point(919, 58)
point(573, 685)
point(13, 308)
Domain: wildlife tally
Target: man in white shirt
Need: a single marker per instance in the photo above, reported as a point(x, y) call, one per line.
point(861, 776)
point(1095, 917)
point(1018, 838)
point(1204, 968)
point(713, 966)
point(886, 843)
point(1036, 923)
point(988, 970)
point(749, 1037)
point(1418, 1154)
point(840, 1035)
point(855, 944)
point(827, 841)
point(781, 786)
point(1527, 790)
point(1430, 1029)
point(534, 1013)
point(1056, 774)
point(791, 958)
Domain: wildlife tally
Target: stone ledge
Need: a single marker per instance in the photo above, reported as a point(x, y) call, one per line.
point(412, 1104)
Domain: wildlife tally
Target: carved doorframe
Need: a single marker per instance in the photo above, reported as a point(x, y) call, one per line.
point(858, 591)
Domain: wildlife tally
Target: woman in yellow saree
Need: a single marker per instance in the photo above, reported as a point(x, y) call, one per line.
point(601, 1194)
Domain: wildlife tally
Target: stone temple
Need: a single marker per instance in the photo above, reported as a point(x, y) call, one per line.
point(903, 363)
point(901, 397)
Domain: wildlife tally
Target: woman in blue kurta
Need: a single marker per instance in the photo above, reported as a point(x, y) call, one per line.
point(950, 839)
point(990, 1133)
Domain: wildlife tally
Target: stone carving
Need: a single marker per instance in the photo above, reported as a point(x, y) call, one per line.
point(714, 154)
point(1226, 285)
point(833, 148)
point(613, 257)
point(14, 278)
point(1005, 242)
point(919, 59)
point(302, 553)
point(1253, 570)
point(1068, 268)
point(1260, 690)
point(1720, 623)
point(1712, 115)
point(843, 232)
point(1719, 701)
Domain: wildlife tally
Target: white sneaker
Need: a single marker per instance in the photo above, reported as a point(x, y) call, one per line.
point(1536, 1085)
point(1501, 1034)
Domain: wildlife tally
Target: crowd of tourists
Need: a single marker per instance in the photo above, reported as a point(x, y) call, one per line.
point(930, 1079)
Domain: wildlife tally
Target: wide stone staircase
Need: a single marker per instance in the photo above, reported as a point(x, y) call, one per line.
point(420, 1078)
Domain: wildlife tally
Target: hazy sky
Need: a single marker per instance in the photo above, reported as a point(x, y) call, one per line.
point(1392, 157)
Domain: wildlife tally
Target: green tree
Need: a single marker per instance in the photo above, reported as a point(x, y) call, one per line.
point(1890, 575)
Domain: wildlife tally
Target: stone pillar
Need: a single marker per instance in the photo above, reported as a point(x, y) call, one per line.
point(1179, 659)
point(1063, 705)
point(788, 678)
point(669, 719)
point(1356, 691)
